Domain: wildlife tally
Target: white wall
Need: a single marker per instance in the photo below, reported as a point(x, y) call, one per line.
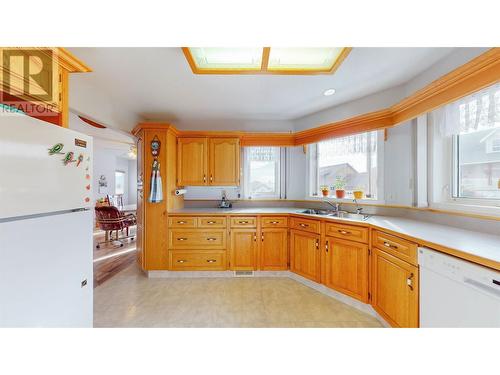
point(399, 165)
point(132, 181)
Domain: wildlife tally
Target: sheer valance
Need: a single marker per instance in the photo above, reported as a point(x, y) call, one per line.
point(472, 113)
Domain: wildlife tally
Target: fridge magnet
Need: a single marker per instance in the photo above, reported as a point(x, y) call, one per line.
point(56, 149)
point(156, 193)
point(87, 199)
point(69, 158)
point(80, 159)
point(155, 147)
point(87, 187)
point(87, 176)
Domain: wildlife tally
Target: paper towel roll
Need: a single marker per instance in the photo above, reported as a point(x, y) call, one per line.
point(180, 192)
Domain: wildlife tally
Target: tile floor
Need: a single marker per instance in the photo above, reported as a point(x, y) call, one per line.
point(130, 299)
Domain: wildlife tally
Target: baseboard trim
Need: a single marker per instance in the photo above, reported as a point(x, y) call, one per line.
point(368, 309)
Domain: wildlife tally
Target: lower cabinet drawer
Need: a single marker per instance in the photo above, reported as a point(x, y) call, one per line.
point(243, 222)
point(305, 224)
point(396, 246)
point(197, 239)
point(274, 222)
point(212, 222)
point(347, 232)
point(197, 260)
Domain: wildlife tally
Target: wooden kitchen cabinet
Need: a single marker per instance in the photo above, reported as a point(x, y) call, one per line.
point(274, 249)
point(243, 249)
point(224, 161)
point(208, 161)
point(346, 268)
point(395, 286)
point(192, 161)
point(305, 254)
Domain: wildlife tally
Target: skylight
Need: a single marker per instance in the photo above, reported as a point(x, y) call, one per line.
point(265, 60)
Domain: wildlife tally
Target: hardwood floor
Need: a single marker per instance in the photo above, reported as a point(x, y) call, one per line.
point(110, 258)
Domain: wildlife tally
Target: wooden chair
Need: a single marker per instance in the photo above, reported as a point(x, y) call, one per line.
point(110, 219)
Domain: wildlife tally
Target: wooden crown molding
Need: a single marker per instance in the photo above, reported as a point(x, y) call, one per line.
point(165, 126)
point(70, 62)
point(480, 72)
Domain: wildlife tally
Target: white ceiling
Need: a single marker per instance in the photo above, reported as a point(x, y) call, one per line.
point(157, 83)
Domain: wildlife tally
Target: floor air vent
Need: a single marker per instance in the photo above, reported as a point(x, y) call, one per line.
point(243, 273)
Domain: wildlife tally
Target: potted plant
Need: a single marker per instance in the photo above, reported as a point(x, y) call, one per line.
point(325, 190)
point(339, 187)
point(358, 194)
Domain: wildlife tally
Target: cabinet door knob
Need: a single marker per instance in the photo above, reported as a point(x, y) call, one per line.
point(317, 244)
point(204, 178)
point(255, 237)
point(211, 178)
point(326, 246)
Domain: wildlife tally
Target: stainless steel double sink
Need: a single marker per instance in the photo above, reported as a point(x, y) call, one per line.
point(337, 214)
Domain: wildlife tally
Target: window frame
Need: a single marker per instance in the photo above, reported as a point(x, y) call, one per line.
point(443, 179)
point(280, 176)
point(379, 199)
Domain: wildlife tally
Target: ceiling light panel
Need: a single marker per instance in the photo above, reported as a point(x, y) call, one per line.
point(213, 58)
point(318, 59)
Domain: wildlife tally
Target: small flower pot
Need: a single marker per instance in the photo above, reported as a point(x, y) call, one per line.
point(358, 194)
point(325, 192)
point(340, 193)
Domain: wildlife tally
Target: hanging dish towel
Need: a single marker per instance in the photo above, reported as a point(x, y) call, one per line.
point(156, 194)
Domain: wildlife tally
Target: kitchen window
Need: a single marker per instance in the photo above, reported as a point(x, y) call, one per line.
point(119, 182)
point(466, 151)
point(263, 171)
point(350, 163)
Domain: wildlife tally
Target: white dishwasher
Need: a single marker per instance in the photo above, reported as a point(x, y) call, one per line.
point(457, 293)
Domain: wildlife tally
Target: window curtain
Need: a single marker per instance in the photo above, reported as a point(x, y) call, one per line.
point(475, 112)
point(353, 144)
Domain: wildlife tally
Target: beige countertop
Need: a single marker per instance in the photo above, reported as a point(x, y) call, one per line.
point(456, 241)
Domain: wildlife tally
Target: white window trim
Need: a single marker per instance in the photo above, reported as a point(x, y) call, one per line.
point(380, 178)
point(441, 175)
point(280, 178)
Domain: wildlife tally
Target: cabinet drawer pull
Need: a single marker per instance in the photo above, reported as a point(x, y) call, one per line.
point(211, 222)
point(317, 244)
point(211, 239)
point(304, 225)
point(255, 237)
point(342, 231)
point(211, 261)
point(211, 178)
point(275, 222)
point(181, 261)
point(243, 222)
point(326, 246)
point(387, 244)
point(182, 239)
point(181, 222)
point(204, 178)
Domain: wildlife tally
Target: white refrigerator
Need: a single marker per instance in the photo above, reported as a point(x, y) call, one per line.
point(46, 224)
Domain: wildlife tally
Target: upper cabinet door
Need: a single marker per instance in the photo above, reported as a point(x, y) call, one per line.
point(192, 162)
point(224, 159)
